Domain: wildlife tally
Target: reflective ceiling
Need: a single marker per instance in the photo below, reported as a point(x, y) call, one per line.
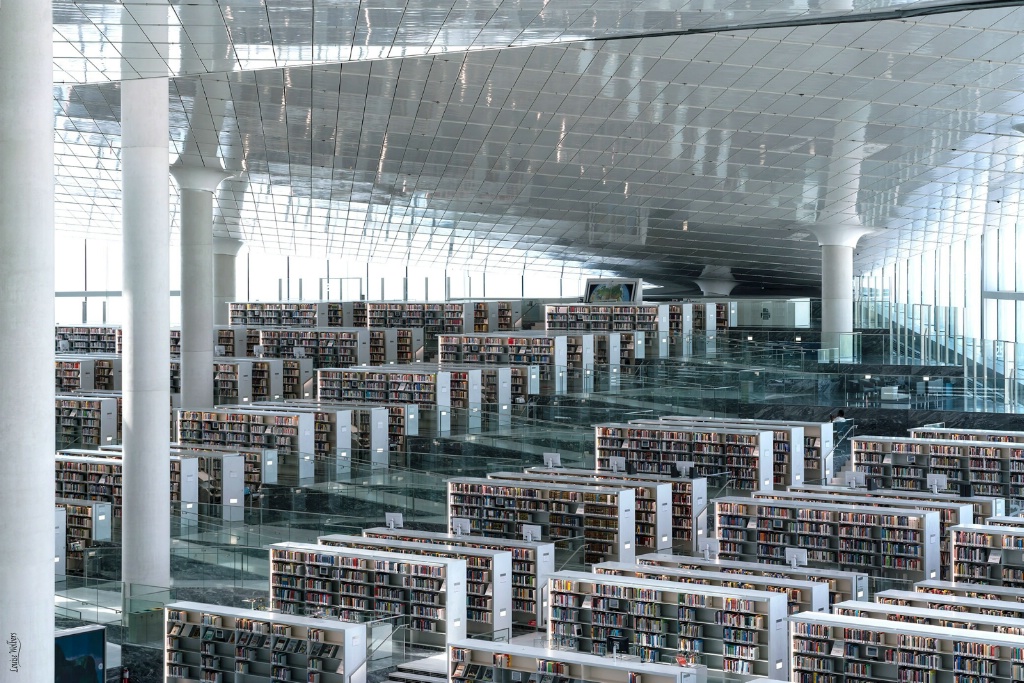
point(494, 134)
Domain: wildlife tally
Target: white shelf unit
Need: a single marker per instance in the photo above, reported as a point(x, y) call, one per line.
point(603, 516)
point(842, 585)
point(990, 555)
point(983, 507)
point(87, 338)
point(85, 421)
point(510, 315)
point(325, 346)
point(485, 317)
point(260, 463)
point(278, 313)
point(1004, 520)
point(85, 522)
point(353, 584)
point(744, 455)
point(72, 373)
point(297, 380)
point(680, 328)
point(971, 590)
point(289, 432)
point(957, 434)
point(532, 562)
point(488, 577)
point(951, 603)
point(226, 645)
point(431, 390)
point(726, 629)
point(932, 617)
point(951, 513)
point(653, 503)
point(608, 349)
point(403, 418)
point(843, 649)
point(548, 352)
point(632, 347)
point(787, 443)
point(230, 338)
point(579, 361)
point(60, 534)
point(986, 468)
point(266, 379)
point(221, 483)
point(337, 439)
point(895, 543)
point(232, 381)
point(801, 595)
point(83, 475)
point(474, 661)
point(346, 313)
point(689, 499)
point(650, 321)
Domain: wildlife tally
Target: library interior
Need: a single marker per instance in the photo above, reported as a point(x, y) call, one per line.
point(572, 341)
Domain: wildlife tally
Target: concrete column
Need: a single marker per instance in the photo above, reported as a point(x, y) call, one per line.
point(225, 253)
point(145, 527)
point(837, 244)
point(716, 281)
point(197, 185)
point(26, 336)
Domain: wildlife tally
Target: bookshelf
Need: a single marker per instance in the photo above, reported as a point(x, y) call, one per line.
point(933, 617)
point(632, 347)
point(603, 516)
point(290, 433)
point(895, 543)
point(324, 346)
point(346, 313)
point(488, 577)
point(231, 340)
point(689, 500)
point(726, 629)
point(983, 507)
point(471, 661)
point(970, 590)
point(227, 645)
point(653, 504)
point(548, 352)
point(744, 455)
point(85, 522)
point(957, 434)
point(607, 317)
point(392, 384)
point(951, 513)
point(222, 479)
point(988, 555)
point(510, 315)
point(608, 349)
point(260, 463)
point(297, 378)
point(87, 339)
point(532, 561)
point(84, 421)
point(830, 648)
point(73, 373)
point(266, 380)
point(842, 584)
point(787, 444)
point(1004, 520)
point(985, 468)
point(680, 327)
point(951, 603)
point(801, 595)
point(354, 585)
point(403, 418)
point(83, 475)
point(232, 380)
point(277, 313)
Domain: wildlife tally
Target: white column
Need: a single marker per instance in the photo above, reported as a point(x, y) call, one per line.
point(197, 185)
point(26, 337)
point(837, 244)
point(716, 281)
point(225, 253)
point(145, 527)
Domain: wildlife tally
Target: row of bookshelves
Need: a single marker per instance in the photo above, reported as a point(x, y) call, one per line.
point(433, 318)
